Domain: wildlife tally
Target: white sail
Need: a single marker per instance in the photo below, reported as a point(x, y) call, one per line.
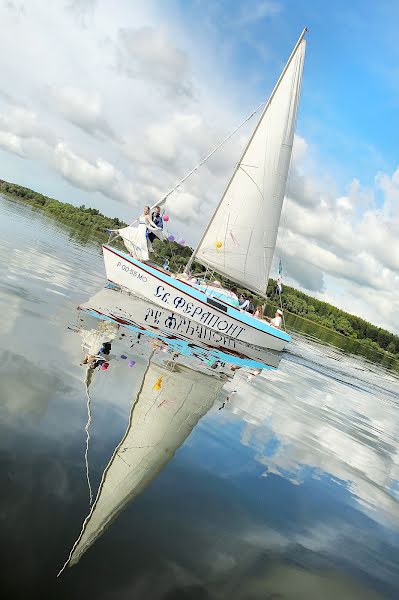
point(240, 239)
point(169, 405)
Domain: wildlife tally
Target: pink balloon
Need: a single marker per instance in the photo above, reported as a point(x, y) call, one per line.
point(166, 218)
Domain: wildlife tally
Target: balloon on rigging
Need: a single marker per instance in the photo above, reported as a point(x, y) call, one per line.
point(158, 384)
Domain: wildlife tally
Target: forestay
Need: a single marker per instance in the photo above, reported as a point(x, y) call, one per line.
point(240, 239)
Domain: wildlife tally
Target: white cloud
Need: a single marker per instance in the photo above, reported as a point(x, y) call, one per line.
point(82, 10)
point(12, 143)
point(351, 239)
point(25, 123)
point(98, 176)
point(252, 12)
point(82, 108)
point(147, 53)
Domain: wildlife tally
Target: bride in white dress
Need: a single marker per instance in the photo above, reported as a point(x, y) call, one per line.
point(136, 237)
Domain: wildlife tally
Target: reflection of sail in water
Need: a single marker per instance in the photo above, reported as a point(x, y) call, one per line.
point(169, 404)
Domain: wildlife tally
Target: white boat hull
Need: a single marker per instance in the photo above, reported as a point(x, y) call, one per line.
point(188, 306)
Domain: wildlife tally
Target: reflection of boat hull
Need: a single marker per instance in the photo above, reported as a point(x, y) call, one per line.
point(189, 303)
point(134, 312)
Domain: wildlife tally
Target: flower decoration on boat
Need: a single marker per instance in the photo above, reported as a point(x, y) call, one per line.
point(218, 244)
point(171, 238)
point(131, 363)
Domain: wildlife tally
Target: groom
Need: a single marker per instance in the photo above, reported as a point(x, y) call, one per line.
point(157, 220)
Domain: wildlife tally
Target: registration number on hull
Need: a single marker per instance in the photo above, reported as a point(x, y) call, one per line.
point(131, 271)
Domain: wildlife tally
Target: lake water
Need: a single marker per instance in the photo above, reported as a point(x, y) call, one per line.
point(282, 487)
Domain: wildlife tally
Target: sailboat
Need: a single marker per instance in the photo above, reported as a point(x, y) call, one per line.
point(240, 238)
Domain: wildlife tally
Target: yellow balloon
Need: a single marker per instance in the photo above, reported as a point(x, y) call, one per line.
point(219, 244)
point(158, 384)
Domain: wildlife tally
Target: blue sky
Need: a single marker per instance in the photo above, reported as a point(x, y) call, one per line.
point(350, 96)
point(109, 104)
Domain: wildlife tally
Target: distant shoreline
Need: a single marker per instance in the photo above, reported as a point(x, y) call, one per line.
point(294, 302)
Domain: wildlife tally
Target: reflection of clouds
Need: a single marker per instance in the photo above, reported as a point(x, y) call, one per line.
point(23, 391)
point(37, 253)
point(301, 423)
point(279, 580)
point(10, 315)
point(40, 266)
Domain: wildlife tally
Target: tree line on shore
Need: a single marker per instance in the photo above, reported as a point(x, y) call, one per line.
point(292, 300)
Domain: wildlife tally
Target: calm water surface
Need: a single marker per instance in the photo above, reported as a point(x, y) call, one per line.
point(290, 491)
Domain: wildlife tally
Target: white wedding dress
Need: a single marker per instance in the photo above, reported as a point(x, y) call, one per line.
point(136, 240)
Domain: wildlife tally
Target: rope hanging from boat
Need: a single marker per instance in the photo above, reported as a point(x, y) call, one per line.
point(203, 161)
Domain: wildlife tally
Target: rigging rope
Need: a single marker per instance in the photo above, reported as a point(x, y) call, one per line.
point(284, 229)
point(203, 161)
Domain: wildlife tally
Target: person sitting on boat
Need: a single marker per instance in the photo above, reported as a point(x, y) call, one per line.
point(158, 222)
point(259, 312)
point(234, 297)
point(251, 307)
point(277, 320)
point(244, 302)
point(248, 305)
point(278, 290)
